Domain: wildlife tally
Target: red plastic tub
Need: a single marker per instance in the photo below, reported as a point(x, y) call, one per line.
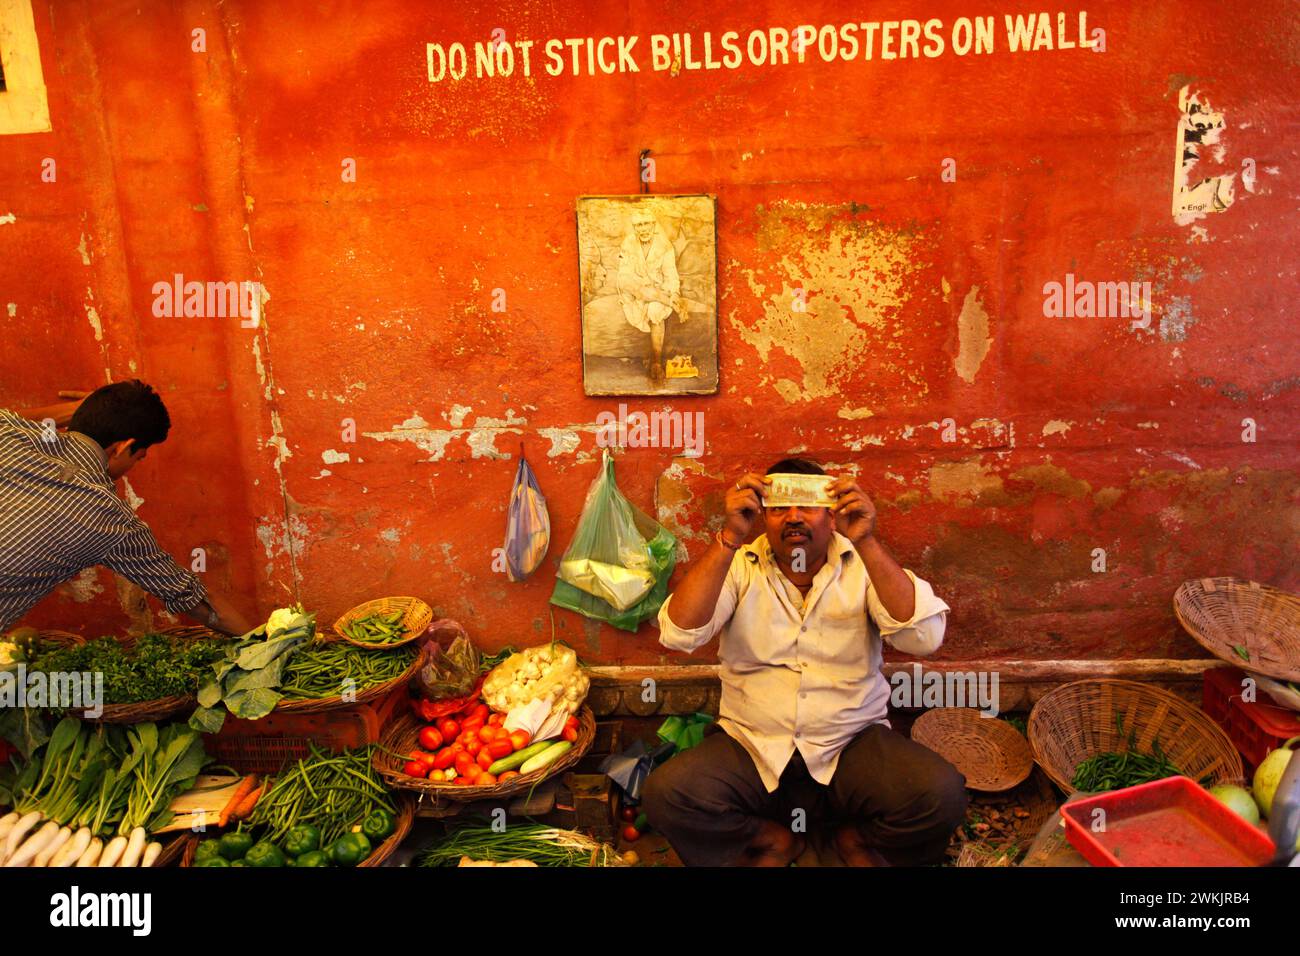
point(1170, 822)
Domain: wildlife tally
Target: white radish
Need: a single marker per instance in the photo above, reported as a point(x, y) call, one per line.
point(20, 830)
point(134, 847)
point(91, 855)
point(54, 846)
point(113, 851)
point(151, 853)
point(73, 849)
point(9, 819)
point(33, 845)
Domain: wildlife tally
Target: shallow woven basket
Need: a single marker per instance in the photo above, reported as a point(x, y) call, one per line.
point(990, 753)
point(416, 616)
point(1226, 613)
point(145, 710)
point(405, 818)
point(374, 692)
point(1077, 721)
point(403, 738)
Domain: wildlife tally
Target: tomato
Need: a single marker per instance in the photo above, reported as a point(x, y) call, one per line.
point(501, 747)
point(474, 747)
point(508, 775)
point(497, 719)
point(472, 723)
point(631, 834)
point(431, 738)
point(416, 768)
point(628, 814)
point(485, 779)
point(448, 728)
point(444, 758)
point(571, 721)
point(463, 762)
point(437, 776)
point(463, 781)
point(480, 712)
point(485, 758)
point(487, 733)
point(458, 747)
point(519, 739)
point(570, 734)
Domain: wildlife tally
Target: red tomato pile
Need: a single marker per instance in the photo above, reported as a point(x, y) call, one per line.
point(459, 748)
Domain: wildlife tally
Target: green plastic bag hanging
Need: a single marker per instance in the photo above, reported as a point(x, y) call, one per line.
point(617, 566)
point(528, 526)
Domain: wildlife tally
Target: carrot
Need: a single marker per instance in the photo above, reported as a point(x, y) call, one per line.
point(245, 808)
point(245, 787)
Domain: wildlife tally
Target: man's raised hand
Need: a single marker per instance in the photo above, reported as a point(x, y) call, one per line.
point(855, 515)
point(744, 504)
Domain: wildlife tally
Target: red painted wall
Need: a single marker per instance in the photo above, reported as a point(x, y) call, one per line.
point(925, 299)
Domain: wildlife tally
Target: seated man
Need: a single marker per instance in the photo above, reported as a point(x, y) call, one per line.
point(803, 715)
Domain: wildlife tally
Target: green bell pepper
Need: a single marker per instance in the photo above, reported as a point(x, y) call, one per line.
point(302, 839)
point(206, 849)
point(234, 846)
point(313, 858)
point(239, 863)
point(349, 849)
point(212, 861)
point(379, 826)
point(264, 854)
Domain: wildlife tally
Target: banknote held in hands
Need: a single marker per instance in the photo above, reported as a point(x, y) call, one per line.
point(802, 491)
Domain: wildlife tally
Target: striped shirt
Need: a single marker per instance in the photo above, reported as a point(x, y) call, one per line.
point(60, 514)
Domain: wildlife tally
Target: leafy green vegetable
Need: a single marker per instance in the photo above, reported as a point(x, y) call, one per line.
point(246, 680)
point(154, 667)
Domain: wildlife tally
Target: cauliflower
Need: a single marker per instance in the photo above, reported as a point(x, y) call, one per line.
point(9, 654)
point(281, 618)
point(547, 671)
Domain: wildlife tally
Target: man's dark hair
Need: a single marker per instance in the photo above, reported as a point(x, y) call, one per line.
point(123, 410)
point(796, 466)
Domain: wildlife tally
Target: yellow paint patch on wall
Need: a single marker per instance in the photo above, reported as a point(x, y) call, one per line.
point(841, 280)
point(1053, 479)
point(963, 480)
point(973, 337)
point(853, 414)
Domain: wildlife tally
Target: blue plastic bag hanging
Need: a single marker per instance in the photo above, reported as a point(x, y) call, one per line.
point(528, 525)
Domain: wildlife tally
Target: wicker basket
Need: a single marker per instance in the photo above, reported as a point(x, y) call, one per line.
point(1224, 614)
point(404, 820)
point(403, 737)
point(370, 695)
point(416, 616)
point(1077, 721)
point(144, 710)
point(990, 753)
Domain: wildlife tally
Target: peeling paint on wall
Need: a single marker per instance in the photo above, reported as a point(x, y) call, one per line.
point(1198, 128)
point(1056, 427)
point(964, 481)
point(854, 277)
point(972, 335)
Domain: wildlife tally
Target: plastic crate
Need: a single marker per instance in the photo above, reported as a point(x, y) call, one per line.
point(1255, 727)
point(1170, 822)
point(262, 746)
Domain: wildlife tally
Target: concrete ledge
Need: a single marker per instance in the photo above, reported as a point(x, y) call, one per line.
point(684, 689)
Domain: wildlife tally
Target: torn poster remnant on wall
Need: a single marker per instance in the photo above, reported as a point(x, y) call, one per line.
point(1198, 127)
